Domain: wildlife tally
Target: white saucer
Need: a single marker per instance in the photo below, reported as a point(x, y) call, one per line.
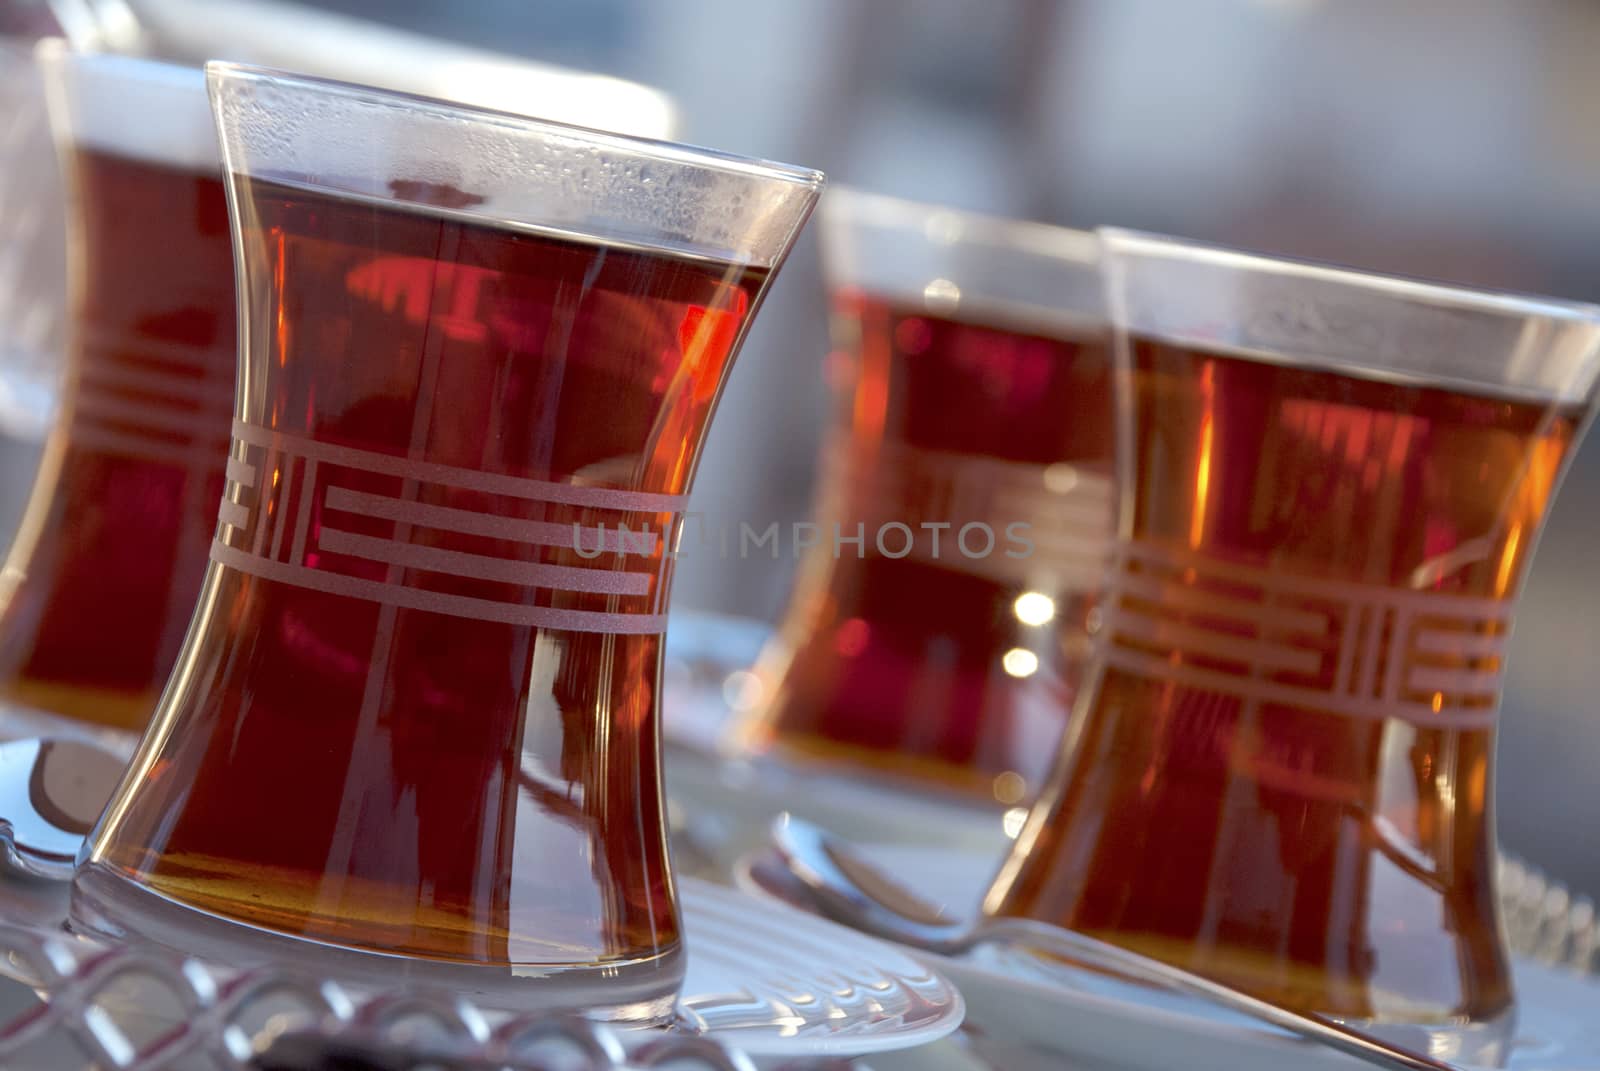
point(760, 978)
point(723, 804)
point(1096, 1019)
point(773, 981)
point(18, 723)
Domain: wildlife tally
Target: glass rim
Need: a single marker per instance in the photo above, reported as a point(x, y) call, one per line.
point(164, 73)
point(132, 107)
point(1124, 242)
point(850, 205)
point(218, 72)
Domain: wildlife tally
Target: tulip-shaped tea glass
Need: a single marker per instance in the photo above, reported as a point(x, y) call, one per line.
point(103, 575)
point(1281, 776)
point(414, 722)
point(32, 250)
point(936, 632)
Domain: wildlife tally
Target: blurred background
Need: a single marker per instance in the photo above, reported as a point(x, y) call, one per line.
point(1454, 139)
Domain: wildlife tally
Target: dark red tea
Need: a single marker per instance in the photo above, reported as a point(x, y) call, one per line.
point(1281, 781)
point(101, 583)
point(916, 657)
point(420, 716)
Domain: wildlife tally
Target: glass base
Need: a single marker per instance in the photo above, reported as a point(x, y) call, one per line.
point(1480, 1043)
point(640, 992)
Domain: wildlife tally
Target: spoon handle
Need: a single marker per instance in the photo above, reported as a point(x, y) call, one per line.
point(1081, 950)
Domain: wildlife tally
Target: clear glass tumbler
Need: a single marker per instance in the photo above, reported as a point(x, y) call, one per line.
point(414, 723)
point(937, 631)
point(1281, 775)
point(104, 572)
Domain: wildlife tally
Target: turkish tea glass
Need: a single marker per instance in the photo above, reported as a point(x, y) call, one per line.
point(1281, 776)
point(413, 728)
point(936, 633)
point(104, 572)
point(32, 250)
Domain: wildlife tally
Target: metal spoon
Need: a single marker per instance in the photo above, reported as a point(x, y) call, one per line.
point(815, 870)
point(51, 793)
